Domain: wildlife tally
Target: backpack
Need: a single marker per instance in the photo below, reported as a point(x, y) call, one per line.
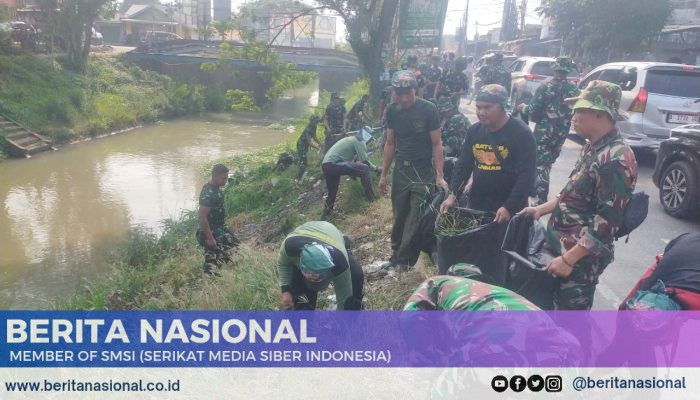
point(635, 213)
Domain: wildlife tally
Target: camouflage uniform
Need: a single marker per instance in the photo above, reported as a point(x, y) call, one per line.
point(495, 73)
point(335, 115)
point(445, 292)
point(454, 128)
point(213, 197)
point(356, 120)
point(433, 75)
point(592, 204)
point(303, 143)
point(553, 119)
point(452, 82)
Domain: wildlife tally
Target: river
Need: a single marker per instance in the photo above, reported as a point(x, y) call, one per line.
point(61, 211)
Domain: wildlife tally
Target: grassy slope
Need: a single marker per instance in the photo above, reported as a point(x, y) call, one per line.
point(63, 105)
point(164, 272)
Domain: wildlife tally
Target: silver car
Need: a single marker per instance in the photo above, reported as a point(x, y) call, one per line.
point(528, 73)
point(657, 96)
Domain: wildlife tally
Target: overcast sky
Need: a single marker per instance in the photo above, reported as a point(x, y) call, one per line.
point(486, 12)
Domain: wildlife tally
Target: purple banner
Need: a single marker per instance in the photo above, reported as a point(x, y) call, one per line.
point(349, 339)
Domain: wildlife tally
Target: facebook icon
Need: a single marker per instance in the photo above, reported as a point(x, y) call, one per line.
point(517, 383)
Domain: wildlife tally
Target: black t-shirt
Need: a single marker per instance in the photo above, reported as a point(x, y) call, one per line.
point(680, 267)
point(497, 184)
point(412, 127)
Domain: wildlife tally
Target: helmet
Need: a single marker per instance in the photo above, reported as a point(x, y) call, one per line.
point(404, 79)
point(412, 60)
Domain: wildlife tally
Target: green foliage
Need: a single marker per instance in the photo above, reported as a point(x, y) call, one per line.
point(240, 100)
point(602, 31)
point(187, 99)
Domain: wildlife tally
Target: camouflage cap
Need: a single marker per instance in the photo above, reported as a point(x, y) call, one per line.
point(494, 94)
point(445, 104)
point(403, 79)
point(602, 96)
point(564, 64)
point(465, 270)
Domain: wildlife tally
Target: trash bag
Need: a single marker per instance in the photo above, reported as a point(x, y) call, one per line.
point(425, 236)
point(524, 245)
point(478, 244)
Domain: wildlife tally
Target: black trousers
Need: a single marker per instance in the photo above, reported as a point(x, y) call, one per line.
point(332, 173)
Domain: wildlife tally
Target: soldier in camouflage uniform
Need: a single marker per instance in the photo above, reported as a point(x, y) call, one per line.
point(333, 121)
point(355, 118)
point(213, 234)
point(553, 119)
point(432, 77)
point(494, 72)
point(307, 138)
point(454, 127)
point(590, 208)
point(463, 291)
point(454, 83)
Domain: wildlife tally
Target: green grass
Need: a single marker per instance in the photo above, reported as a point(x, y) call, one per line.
point(112, 95)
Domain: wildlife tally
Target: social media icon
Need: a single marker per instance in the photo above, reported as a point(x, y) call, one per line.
point(552, 383)
point(535, 383)
point(517, 383)
point(499, 383)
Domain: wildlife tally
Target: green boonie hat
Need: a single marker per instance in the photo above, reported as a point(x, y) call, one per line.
point(602, 96)
point(315, 263)
point(565, 64)
point(494, 93)
point(445, 104)
point(464, 270)
point(403, 79)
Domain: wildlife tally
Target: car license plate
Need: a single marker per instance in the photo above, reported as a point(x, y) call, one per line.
point(683, 118)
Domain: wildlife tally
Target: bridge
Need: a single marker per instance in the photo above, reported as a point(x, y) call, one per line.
point(181, 59)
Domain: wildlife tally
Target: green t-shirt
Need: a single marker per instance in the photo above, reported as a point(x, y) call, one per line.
point(323, 232)
point(346, 150)
point(412, 127)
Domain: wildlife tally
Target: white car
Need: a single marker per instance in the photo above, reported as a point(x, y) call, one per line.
point(528, 73)
point(657, 96)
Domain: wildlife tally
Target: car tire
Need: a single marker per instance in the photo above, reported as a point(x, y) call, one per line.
point(678, 189)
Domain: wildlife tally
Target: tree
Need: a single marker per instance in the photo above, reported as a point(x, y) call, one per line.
point(72, 21)
point(602, 30)
point(222, 27)
point(368, 24)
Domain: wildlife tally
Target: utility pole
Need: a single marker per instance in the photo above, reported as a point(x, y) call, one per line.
point(466, 25)
point(523, 11)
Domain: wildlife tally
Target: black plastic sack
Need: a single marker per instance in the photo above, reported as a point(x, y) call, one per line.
point(524, 245)
point(479, 246)
point(425, 236)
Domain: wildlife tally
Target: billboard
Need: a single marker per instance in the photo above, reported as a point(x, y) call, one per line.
point(421, 23)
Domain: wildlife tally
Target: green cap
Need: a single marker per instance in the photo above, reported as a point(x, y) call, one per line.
point(494, 93)
point(403, 79)
point(445, 104)
point(602, 96)
point(564, 64)
point(315, 263)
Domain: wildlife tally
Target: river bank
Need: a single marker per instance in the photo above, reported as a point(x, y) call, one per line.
point(163, 271)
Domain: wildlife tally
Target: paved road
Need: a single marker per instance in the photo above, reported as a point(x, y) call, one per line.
point(632, 258)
